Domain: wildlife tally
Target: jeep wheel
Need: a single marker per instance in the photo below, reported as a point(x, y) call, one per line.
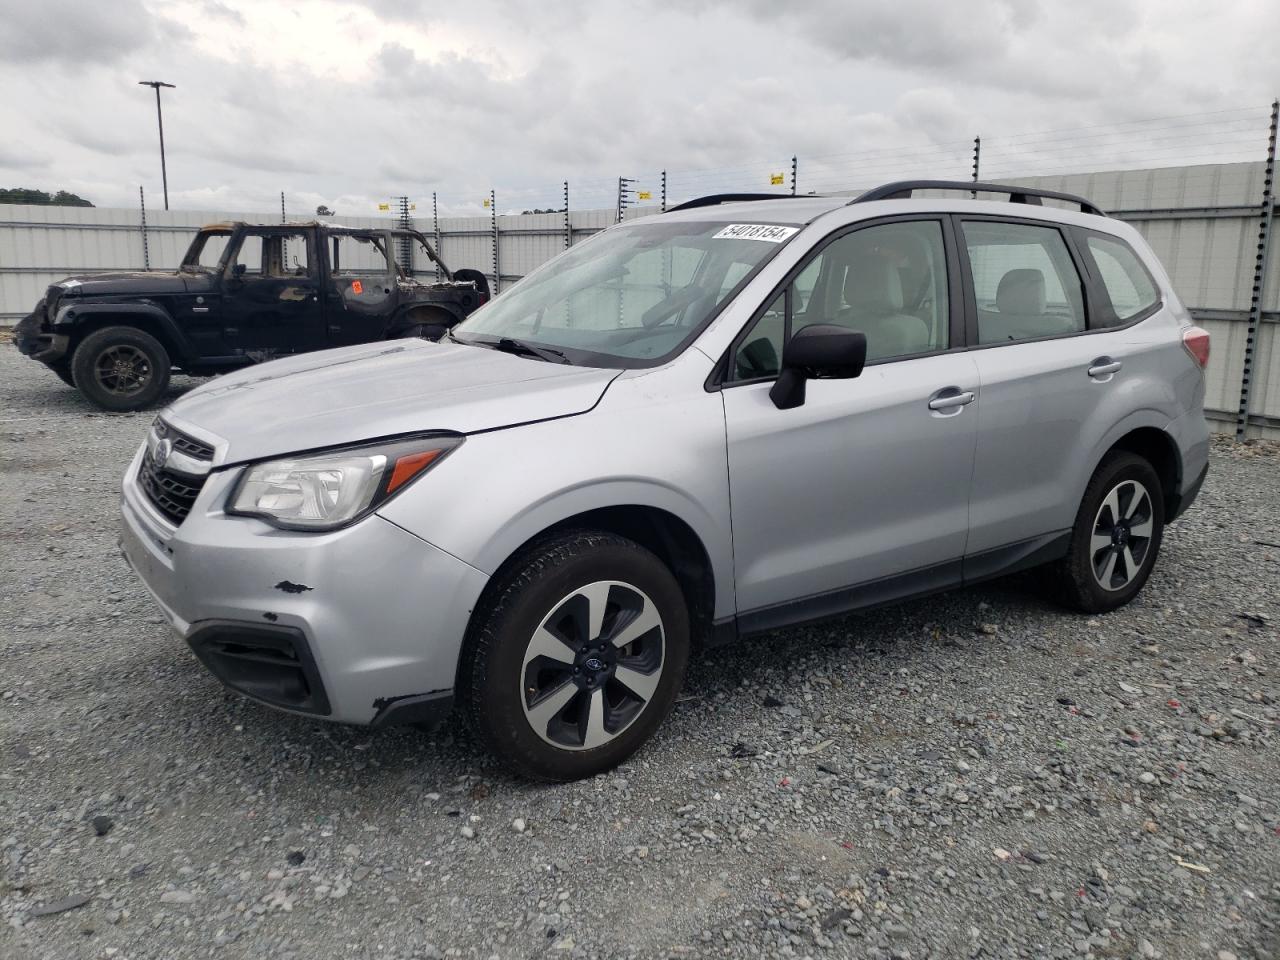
point(1116, 537)
point(121, 368)
point(575, 656)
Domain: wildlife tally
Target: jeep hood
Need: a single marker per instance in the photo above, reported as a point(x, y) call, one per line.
point(337, 397)
point(125, 283)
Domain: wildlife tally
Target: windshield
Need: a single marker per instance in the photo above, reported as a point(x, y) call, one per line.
point(206, 250)
point(628, 297)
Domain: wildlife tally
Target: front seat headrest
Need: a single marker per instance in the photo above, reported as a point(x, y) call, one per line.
point(1021, 292)
point(872, 283)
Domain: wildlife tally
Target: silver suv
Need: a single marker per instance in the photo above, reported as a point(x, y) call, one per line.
point(744, 413)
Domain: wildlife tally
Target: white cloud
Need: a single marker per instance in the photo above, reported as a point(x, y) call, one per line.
point(350, 103)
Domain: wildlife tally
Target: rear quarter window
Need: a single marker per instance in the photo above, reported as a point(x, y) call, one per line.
point(1129, 286)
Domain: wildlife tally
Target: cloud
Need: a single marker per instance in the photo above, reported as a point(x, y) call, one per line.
point(350, 103)
point(71, 32)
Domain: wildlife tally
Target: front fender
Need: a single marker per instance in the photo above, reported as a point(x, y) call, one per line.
point(147, 316)
point(642, 447)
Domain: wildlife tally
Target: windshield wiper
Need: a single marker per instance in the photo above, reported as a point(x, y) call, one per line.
point(523, 349)
point(518, 347)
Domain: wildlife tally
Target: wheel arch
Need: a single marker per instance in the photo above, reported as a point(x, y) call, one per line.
point(91, 317)
point(668, 536)
point(415, 313)
point(1159, 449)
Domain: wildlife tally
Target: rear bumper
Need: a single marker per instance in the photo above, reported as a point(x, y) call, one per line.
point(361, 625)
point(1186, 496)
point(1190, 434)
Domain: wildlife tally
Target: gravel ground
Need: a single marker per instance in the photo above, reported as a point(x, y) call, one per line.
point(977, 774)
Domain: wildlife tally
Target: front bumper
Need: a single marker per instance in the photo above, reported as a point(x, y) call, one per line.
point(360, 625)
point(31, 341)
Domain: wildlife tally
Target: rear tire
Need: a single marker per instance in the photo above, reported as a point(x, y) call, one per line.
point(574, 656)
point(1116, 537)
point(121, 368)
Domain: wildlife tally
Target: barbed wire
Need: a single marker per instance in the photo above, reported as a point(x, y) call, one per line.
point(1229, 135)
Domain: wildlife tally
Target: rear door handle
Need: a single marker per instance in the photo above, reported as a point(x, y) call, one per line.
point(949, 400)
point(1104, 367)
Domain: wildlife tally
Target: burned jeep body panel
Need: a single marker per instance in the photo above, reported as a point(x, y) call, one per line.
point(246, 293)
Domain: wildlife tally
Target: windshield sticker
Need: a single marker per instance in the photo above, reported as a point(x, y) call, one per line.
point(756, 231)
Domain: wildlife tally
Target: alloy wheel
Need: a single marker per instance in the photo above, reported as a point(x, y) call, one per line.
point(593, 665)
point(123, 370)
point(1121, 537)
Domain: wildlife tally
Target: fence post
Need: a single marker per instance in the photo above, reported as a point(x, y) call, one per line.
point(435, 229)
point(1259, 274)
point(624, 195)
point(406, 243)
point(794, 169)
point(146, 251)
point(568, 226)
point(977, 156)
point(283, 218)
point(664, 191)
point(493, 225)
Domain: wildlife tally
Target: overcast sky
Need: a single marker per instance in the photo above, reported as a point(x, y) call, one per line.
point(348, 103)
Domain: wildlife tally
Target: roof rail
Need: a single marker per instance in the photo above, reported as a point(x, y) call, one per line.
point(902, 190)
point(717, 198)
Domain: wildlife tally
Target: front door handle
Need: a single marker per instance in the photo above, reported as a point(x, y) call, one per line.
point(1104, 367)
point(949, 400)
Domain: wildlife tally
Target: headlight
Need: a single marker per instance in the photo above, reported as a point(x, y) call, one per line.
point(331, 489)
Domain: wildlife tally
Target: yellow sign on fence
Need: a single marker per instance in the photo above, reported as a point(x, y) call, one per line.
point(776, 179)
point(384, 206)
point(644, 195)
point(486, 203)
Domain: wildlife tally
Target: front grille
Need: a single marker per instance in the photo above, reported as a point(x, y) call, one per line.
point(192, 448)
point(172, 493)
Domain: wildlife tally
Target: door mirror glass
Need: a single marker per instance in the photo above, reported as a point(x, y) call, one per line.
point(818, 351)
point(238, 271)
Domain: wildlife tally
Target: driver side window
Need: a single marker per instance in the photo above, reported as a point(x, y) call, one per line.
point(888, 281)
point(248, 259)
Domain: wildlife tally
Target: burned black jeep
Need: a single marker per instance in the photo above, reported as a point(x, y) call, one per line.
point(244, 293)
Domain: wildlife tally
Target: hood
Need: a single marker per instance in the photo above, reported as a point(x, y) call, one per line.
point(123, 283)
point(337, 397)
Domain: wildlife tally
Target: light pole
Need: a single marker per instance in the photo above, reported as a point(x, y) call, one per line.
point(164, 176)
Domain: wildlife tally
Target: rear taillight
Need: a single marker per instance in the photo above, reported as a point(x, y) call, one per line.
point(1196, 340)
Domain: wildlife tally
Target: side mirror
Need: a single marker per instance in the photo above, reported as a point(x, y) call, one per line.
point(237, 272)
point(818, 351)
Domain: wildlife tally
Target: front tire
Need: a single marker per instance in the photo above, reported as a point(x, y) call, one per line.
point(575, 656)
point(121, 368)
point(1116, 537)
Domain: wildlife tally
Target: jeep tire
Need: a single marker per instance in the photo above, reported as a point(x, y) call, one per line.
point(121, 368)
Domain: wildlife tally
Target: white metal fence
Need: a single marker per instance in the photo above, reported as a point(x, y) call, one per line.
point(1202, 221)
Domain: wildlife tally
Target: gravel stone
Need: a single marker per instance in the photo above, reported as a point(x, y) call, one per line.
point(836, 790)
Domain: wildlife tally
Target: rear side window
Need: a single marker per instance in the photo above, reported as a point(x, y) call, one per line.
point(1025, 282)
point(1128, 284)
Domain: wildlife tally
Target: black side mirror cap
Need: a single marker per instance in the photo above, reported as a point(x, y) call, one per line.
point(820, 351)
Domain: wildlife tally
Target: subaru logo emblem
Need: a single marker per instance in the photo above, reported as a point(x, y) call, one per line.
point(163, 449)
point(594, 664)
